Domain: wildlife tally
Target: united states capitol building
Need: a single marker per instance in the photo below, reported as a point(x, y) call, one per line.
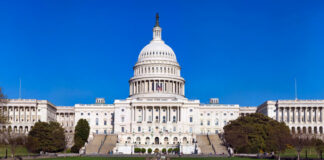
point(157, 113)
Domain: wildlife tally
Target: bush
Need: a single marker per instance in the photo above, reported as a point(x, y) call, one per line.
point(143, 150)
point(81, 135)
point(255, 132)
point(169, 150)
point(163, 150)
point(149, 150)
point(175, 150)
point(47, 137)
point(156, 150)
point(137, 150)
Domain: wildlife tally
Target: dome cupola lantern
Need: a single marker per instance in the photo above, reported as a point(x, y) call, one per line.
point(157, 29)
point(157, 72)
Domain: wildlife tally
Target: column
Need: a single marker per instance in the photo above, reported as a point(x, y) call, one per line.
point(294, 116)
point(36, 109)
point(321, 114)
point(134, 114)
point(145, 113)
point(167, 114)
point(25, 114)
point(282, 114)
point(299, 114)
point(152, 114)
point(179, 113)
point(159, 114)
point(304, 114)
point(288, 114)
point(311, 114)
point(142, 109)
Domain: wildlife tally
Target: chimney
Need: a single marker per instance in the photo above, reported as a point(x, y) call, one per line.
point(100, 101)
point(214, 101)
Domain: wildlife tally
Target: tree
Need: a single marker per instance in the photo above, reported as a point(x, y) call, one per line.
point(299, 143)
point(319, 146)
point(3, 100)
point(143, 150)
point(256, 132)
point(278, 137)
point(82, 130)
point(46, 137)
point(164, 150)
point(149, 150)
point(169, 150)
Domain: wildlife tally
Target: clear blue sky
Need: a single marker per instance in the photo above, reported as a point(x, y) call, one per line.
point(243, 52)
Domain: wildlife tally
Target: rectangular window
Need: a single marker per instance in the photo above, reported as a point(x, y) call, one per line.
point(122, 129)
point(139, 118)
point(190, 130)
point(190, 119)
point(139, 129)
point(105, 122)
point(150, 118)
point(97, 132)
point(97, 121)
point(123, 119)
point(208, 123)
point(105, 131)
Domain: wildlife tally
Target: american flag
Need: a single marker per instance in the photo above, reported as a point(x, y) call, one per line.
point(159, 87)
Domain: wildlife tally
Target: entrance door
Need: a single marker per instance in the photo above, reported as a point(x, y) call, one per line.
point(156, 140)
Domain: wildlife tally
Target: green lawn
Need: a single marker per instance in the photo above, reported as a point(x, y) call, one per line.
point(96, 158)
point(292, 153)
point(20, 150)
point(142, 158)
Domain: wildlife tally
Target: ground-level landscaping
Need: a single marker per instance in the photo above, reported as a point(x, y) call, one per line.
point(20, 150)
point(143, 158)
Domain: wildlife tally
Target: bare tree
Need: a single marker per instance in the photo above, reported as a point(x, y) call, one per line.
point(299, 142)
point(3, 100)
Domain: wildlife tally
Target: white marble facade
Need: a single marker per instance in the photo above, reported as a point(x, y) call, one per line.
point(23, 113)
point(157, 114)
point(302, 116)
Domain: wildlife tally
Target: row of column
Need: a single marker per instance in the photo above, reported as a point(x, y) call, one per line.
point(150, 70)
point(17, 129)
point(300, 114)
point(156, 86)
point(67, 119)
point(144, 113)
point(310, 129)
point(20, 114)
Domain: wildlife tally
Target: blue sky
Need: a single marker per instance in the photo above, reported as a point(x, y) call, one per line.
point(243, 52)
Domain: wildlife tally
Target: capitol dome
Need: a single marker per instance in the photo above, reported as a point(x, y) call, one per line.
point(157, 50)
point(157, 72)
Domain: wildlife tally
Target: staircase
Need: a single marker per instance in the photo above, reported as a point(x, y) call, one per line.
point(218, 144)
point(109, 144)
point(94, 145)
point(204, 145)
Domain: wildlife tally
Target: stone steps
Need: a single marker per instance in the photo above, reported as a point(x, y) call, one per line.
point(109, 144)
point(204, 145)
point(94, 145)
point(218, 144)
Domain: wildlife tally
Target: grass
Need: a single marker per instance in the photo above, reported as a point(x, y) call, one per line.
point(20, 151)
point(96, 158)
point(143, 158)
point(293, 153)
